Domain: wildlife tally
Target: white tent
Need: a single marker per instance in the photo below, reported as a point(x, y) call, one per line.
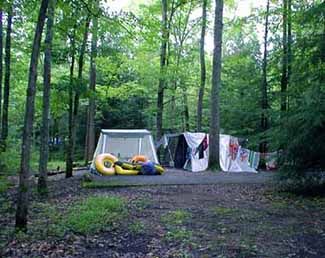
point(126, 143)
point(191, 151)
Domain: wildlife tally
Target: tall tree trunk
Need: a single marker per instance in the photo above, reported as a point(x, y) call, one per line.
point(186, 113)
point(284, 78)
point(289, 49)
point(92, 87)
point(161, 85)
point(203, 69)
point(1, 51)
point(69, 159)
point(6, 89)
point(72, 140)
point(264, 102)
point(23, 190)
point(216, 83)
point(44, 147)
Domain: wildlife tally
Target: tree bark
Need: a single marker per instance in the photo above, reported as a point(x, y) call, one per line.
point(92, 87)
point(69, 159)
point(216, 83)
point(203, 69)
point(289, 49)
point(23, 189)
point(186, 113)
point(44, 147)
point(264, 102)
point(1, 51)
point(6, 89)
point(161, 85)
point(72, 140)
point(284, 78)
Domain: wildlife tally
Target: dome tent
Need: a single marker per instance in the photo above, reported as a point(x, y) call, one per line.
point(125, 143)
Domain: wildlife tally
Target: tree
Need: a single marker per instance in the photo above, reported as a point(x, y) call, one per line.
point(69, 158)
point(90, 135)
point(203, 69)
point(216, 82)
point(289, 46)
point(75, 105)
point(163, 54)
point(6, 89)
point(22, 199)
point(284, 78)
point(1, 51)
point(264, 101)
point(44, 149)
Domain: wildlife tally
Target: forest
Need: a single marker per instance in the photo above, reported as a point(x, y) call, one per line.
point(69, 68)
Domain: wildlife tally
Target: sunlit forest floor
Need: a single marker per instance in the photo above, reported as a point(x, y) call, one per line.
point(221, 220)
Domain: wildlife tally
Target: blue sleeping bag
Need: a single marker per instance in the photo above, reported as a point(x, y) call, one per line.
point(148, 168)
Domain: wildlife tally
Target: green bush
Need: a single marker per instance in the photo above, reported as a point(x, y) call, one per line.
point(311, 184)
point(303, 137)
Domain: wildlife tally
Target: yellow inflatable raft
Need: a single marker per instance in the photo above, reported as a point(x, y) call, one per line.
point(127, 172)
point(100, 162)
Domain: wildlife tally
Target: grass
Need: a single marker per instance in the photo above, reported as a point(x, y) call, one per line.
point(142, 203)
point(223, 211)
point(175, 224)
point(95, 214)
point(137, 227)
point(177, 217)
point(104, 184)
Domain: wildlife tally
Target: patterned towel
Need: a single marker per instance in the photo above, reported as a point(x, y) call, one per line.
point(254, 159)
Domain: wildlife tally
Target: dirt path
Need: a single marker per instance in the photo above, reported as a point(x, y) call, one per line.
point(215, 220)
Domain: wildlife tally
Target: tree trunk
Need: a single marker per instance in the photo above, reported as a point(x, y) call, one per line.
point(1, 51)
point(264, 102)
point(161, 85)
point(92, 87)
point(6, 89)
point(284, 78)
point(216, 82)
point(69, 159)
point(186, 113)
point(72, 141)
point(44, 147)
point(203, 69)
point(289, 49)
point(22, 200)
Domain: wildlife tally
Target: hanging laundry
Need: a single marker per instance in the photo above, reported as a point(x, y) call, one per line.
point(202, 147)
point(254, 159)
point(233, 147)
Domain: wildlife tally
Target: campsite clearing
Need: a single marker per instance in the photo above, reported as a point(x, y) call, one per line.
point(216, 220)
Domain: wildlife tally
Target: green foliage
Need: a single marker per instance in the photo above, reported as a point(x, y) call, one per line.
point(310, 184)
point(4, 184)
point(95, 214)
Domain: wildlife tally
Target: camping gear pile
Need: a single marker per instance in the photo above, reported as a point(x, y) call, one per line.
point(116, 147)
point(186, 150)
point(107, 164)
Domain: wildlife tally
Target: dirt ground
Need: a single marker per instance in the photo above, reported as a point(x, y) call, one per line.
point(218, 220)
